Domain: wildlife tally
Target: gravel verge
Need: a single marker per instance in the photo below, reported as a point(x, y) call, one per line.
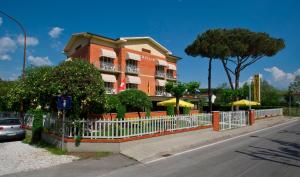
point(17, 156)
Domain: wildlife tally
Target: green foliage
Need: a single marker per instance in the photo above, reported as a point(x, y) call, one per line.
point(176, 89)
point(77, 78)
point(135, 100)
point(148, 113)
point(121, 110)
point(186, 110)
point(170, 110)
point(5, 86)
point(37, 125)
point(294, 87)
point(236, 48)
point(112, 103)
point(192, 87)
point(270, 96)
point(83, 82)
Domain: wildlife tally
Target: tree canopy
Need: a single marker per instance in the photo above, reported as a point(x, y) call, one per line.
point(135, 100)
point(77, 78)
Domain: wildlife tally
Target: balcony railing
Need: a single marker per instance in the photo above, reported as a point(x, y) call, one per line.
point(105, 66)
point(110, 90)
point(170, 77)
point(132, 69)
point(160, 74)
point(162, 93)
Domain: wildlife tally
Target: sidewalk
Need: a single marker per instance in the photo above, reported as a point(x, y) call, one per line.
point(149, 149)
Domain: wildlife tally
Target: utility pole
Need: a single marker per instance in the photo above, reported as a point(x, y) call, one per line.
point(24, 57)
point(24, 33)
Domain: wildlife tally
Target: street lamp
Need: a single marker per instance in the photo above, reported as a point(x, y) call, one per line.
point(24, 32)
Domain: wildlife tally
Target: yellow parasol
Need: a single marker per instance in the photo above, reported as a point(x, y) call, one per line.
point(245, 103)
point(172, 102)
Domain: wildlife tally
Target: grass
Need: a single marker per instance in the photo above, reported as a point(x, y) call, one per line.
point(58, 151)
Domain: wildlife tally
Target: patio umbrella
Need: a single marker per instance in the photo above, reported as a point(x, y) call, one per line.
point(172, 102)
point(245, 103)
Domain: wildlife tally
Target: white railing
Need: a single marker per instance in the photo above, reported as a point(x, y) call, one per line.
point(111, 129)
point(268, 112)
point(233, 119)
point(132, 69)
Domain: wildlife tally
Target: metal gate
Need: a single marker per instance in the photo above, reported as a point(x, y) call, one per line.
point(233, 119)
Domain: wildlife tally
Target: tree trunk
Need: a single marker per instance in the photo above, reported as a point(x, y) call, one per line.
point(228, 74)
point(237, 85)
point(177, 106)
point(209, 85)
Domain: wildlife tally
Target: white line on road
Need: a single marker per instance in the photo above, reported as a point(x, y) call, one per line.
point(219, 142)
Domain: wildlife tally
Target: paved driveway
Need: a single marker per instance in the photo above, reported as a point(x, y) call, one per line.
point(16, 156)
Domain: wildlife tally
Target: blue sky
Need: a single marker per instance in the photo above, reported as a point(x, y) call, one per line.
point(173, 23)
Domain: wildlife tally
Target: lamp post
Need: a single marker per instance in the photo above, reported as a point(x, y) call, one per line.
point(24, 32)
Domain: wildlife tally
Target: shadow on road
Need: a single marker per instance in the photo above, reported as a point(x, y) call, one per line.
point(283, 152)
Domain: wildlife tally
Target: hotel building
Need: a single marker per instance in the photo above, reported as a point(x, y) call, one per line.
point(139, 62)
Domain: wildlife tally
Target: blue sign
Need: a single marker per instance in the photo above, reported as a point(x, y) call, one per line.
point(64, 102)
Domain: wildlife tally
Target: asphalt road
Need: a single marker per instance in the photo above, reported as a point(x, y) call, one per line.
point(271, 153)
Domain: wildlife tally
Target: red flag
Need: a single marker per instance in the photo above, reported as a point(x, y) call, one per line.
point(122, 86)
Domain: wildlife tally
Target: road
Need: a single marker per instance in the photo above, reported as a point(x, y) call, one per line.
point(271, 153)
point(274, 152)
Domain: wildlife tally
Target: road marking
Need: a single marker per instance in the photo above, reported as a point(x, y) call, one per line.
point(219, 142)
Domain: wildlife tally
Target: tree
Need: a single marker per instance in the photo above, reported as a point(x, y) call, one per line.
point(270, 96)
point(135, 100)
point(76, 78)
point(177, 90)
point(246, 48)
point(5, 86)
point(83, 82)
point(192, 87)
point(295, 85)
point(210, 45)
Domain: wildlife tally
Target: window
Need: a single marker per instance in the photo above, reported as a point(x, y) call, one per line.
point(106, 60)
point(108, 85)
point(131, 86)
point(131, 63)
point(146, 50)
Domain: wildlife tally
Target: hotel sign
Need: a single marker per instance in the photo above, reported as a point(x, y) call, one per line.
point(256, 88)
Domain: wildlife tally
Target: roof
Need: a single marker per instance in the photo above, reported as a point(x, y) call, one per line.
point(117, 40)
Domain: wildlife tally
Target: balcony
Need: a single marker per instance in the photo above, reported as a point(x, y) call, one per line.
point(132, 69)
point(110, 90)
point(162, 93)
point(160, 74)
point(109, 67)
point(170, 77)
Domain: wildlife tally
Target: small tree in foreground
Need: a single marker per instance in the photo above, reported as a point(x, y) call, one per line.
point(135, 100)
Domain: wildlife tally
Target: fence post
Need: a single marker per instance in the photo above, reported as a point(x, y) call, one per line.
point(251, 116)
point(216, 120)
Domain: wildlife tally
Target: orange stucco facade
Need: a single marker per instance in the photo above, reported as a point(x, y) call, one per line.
point(150, 64)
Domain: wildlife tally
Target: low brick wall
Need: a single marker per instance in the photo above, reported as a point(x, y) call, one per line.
point(111, 145)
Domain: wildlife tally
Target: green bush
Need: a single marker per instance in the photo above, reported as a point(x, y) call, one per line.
point(170, 110)
point(37, 125)
point(186, 110)
point(121, 110)
point(148, 113)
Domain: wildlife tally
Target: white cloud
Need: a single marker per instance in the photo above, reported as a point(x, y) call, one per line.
point(30, 41)
point(281, 78)
point(7, 45)
point(1, 21)
point(39, 61)
point(55, 32)
point(5, 57)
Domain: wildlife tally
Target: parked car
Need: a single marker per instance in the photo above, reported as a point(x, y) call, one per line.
point(11, 128)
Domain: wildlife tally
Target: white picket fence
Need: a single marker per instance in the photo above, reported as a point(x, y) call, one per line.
point(233, 119)
point(111, 129)
point(268, 112)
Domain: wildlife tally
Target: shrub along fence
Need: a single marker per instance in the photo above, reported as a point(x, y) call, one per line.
point(113, 129)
